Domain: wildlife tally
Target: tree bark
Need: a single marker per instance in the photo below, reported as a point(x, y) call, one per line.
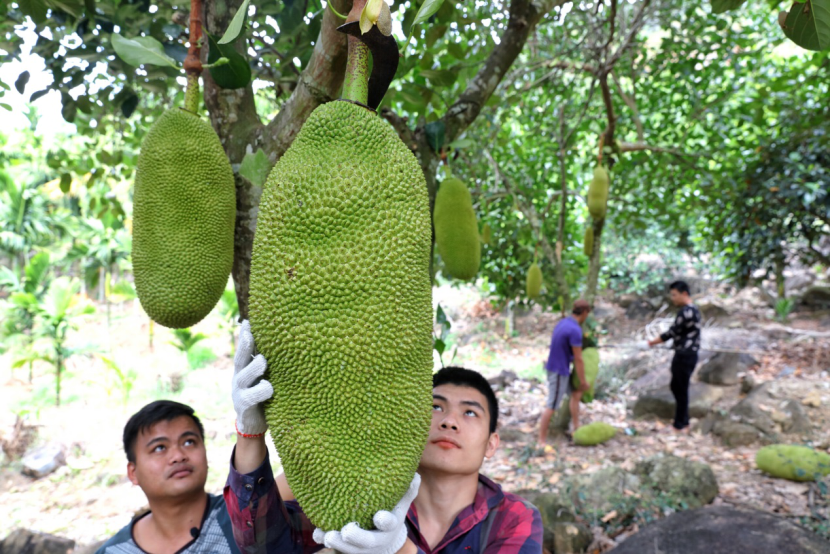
point(234, 117)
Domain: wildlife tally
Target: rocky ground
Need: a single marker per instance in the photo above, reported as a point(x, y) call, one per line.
point(782, 394)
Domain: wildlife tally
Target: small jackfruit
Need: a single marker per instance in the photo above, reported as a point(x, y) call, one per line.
point(486, 234)
point(594, 433)
point(456, 229)
point(534, 281)
point(184, 209)
point(590, 358)
point(341, 307)
point(796, 463)
point(588, 244)
point(598, 193)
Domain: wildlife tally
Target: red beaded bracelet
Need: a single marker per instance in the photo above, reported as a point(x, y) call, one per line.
point(243, 435)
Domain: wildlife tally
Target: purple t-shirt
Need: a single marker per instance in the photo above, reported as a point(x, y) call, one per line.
point(566, 335)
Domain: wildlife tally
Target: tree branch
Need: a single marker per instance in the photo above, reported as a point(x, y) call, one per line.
point(632, 105)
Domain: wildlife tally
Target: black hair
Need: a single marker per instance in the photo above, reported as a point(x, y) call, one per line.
point(681, 287)
point(463, 377)
point(580, 311)
point(152, 413)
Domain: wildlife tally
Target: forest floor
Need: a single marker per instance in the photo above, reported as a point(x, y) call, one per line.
point(90, 498)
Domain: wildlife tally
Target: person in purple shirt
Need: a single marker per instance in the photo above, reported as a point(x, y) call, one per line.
point(450, 508)
point(565, 347)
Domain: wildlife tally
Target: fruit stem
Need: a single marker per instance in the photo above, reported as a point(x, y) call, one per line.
point(356, 83)
point(193, 62)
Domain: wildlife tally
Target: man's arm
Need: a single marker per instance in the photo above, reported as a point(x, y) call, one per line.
point(579, 367)
point(674, 331)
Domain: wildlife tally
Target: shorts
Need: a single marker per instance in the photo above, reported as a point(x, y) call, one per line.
point(558, 386)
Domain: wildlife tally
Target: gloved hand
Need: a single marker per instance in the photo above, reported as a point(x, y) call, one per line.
point(388, 538)
point(247, 396)
point(643, 345)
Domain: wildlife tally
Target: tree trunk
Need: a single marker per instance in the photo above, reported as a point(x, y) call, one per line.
point(780, 280)
point(561, 279)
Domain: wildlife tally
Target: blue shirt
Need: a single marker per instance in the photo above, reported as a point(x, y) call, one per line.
point(566, 335)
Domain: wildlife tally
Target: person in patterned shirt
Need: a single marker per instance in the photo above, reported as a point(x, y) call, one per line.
point(450, 508)
point(686, 336)
point(166, 457)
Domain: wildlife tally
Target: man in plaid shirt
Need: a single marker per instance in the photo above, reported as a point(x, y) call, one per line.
point(456, 510)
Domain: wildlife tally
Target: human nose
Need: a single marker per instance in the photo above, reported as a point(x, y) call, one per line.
point(449, 422)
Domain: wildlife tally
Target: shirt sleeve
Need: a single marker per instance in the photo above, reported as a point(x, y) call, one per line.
point(576, 337)
point(262, 522)
point(520, 533)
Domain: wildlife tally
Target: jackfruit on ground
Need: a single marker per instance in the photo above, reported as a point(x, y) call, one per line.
point(796, 463)
point(184, 209)
point(598, 193)
point(590, 357)
point(588, 244)
point(534, 281)
point(486, 234)
point(456, 229)
point(594, 433)
point(341, 307)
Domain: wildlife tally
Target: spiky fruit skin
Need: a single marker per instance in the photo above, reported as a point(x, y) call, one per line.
point(588, 244)
point(534, 281)
point(590, 359)
point(486, 234)
point(341, 307)
point(598, 193)
point(594, 433)
point(184, 209)
point(796, 463)
point(456, 229)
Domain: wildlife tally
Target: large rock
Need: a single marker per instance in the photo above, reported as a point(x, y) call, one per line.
point(599, 493)
point(723, 530)
point(660, 403)
point(570, 538)
point(43, 461)
point(24, 541)
point(817, 296)
point(691, 482)
point(711, 309)
point(554, 510)
point(735, 433)
point(762, 416)
point(725, 368)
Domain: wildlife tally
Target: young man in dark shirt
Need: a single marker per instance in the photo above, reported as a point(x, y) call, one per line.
point(166, 457)
point(450, 507)
point(686, 336)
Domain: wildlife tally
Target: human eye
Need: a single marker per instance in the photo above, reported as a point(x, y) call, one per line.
point(471, 413)
point(437, 408)
point(190, 442)
point(158, 448)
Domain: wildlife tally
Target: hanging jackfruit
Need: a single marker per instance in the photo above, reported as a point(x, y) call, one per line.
point(184, 208)
point(598, 193)
point(534, 281)
point(456, 229)
point(341, 307)
point(588, 244)
point(486, 234)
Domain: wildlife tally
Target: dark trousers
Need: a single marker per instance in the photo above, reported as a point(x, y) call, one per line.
point(682, 367)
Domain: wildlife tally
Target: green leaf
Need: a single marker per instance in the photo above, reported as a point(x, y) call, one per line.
point(436, 134)
point(440, 346)
point(36, 9)
point(440, 77)
point(5, 106)
point(234, 74)
point(36, 271)
point(237, 24)
point(38, 94)
point(808, 25)
point(66, 183)
point(20, 83)
point(141, 50)
point(462, 143)
point(427, 10)
point(255, 167)
point(723, 6)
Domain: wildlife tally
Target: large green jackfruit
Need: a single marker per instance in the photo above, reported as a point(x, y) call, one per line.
point(590, 357)
point(796, 463)
point(598, 193)
point(184, 208)
point(341, 307)
point(534, 281)
point(594, 433)
point(588, 244)
point(456, 229)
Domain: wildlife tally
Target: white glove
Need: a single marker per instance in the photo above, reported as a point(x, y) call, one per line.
point(247, 396)
point(643, 345)
point(388, 538)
